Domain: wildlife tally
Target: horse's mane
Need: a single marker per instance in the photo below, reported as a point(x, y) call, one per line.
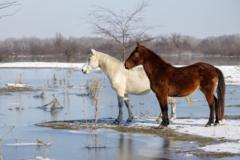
point(107, 56)
point(155, 56)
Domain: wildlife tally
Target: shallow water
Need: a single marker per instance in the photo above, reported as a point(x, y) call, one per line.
point(19, 110)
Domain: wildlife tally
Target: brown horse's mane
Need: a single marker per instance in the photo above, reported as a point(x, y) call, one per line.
point(153, 57)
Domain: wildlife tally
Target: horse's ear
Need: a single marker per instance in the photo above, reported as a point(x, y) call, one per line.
point(138, 44)
point(93, 51)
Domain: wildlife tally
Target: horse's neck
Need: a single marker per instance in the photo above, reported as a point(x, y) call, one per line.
point(109, 65)
point(154, 64)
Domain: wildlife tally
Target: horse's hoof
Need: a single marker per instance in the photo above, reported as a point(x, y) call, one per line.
point(161, 126)
point(116, 122)
point(129, 120)
point(209, 124)
point(216, 124)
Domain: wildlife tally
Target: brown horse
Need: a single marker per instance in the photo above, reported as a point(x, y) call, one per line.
point(167, 80)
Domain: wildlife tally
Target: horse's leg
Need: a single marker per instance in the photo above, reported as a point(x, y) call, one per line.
point(130, 114)
point(162, 99)
point(216, 111)
point(120, 105)
point(211, 104)
point(172, 102)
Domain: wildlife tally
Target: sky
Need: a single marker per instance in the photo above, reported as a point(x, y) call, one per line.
point(45, 18)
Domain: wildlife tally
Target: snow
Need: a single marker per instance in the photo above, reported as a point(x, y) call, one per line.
point(42, 158)
point(18, 85)
point(229, 131)
point(231, 74)
point(230, 147)
point(26, 144)
point(41, 65)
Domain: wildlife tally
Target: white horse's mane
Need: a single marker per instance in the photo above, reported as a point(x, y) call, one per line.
point(106, 56)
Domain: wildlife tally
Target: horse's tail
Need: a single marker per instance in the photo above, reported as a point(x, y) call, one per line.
point(220, 93)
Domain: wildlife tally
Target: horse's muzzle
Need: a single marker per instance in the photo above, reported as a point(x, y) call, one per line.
point(84, 71)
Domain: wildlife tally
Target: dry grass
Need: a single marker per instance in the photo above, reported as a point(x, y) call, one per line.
point(93, 89)
point(167, 132)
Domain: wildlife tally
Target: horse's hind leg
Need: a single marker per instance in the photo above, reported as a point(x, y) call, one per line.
point(211, 104)
point(120, 113)
point(216, 111)
point(130, 114)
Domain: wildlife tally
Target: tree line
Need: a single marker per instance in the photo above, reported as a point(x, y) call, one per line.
point(72, 49)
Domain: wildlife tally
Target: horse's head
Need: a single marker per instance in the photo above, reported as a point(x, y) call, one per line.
point(135, 58)
point(92, 62)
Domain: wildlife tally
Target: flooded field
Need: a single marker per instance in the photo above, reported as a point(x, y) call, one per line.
point(19, 111)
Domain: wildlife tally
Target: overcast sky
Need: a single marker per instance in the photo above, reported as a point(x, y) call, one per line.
point(199, 18)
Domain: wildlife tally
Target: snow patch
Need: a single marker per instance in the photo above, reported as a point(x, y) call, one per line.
point(42, 158)
point(18, 85)
point(26, 144)
point(229, 131)
point(41, 65)
point(230, 147)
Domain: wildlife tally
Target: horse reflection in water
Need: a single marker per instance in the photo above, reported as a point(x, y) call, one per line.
point(123, 81)
point(154, 148)
point(167, 80)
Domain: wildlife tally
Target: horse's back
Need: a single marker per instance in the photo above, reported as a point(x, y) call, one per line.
point(200, 69)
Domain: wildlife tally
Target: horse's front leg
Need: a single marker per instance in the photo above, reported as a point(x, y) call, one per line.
point(163, 102)
point(172, 103)
point(120, 113)
point(130, 114)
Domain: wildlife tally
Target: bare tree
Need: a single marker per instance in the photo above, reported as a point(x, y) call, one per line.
point(123, 26)
point(7, 4)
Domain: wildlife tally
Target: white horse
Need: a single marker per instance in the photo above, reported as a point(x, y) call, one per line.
point(123, 81)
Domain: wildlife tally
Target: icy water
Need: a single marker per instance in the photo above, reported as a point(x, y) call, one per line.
point(19, 113)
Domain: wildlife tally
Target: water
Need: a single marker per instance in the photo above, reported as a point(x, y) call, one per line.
point(18, 110)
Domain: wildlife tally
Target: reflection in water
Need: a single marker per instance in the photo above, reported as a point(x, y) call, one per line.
point(142, 147)
point(166, 147)
point(125, 147)
point(54, 114)
point(95, 148)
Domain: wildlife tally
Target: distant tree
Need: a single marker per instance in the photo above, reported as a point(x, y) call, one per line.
point(123, 26)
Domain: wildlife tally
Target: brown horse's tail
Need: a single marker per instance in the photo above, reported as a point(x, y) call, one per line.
point(220, 93)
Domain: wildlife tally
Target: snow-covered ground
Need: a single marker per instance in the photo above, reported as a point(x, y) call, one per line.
point(231, 74)
point(229, 131)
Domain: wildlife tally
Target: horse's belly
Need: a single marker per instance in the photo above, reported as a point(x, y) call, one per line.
point(138, 89)
point(181, 91)
point(138, 86)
